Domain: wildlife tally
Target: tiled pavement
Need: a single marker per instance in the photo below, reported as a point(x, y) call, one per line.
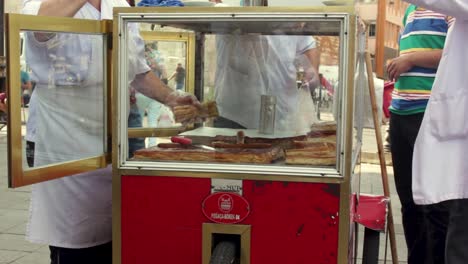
point(14, 205)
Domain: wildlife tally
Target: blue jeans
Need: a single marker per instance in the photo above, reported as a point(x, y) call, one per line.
point(179, 86)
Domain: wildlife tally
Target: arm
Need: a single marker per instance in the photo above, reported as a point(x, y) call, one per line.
point(151, 86)
point(455, 8)
point(172, 76)
point(60, 8)
point(404, 63)
point(313, 56)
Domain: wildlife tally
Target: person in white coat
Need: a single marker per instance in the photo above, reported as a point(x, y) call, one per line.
point(440, 167)
point(73, 214)
point(249, 66)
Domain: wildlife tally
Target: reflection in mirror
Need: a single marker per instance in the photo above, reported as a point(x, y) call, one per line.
point(62, 86)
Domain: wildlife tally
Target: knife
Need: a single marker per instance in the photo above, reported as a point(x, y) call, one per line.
point(188, 142)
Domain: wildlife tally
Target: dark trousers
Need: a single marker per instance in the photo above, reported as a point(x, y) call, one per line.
point(448, 231)
point(30, 146)
point(101, 254)
point(403, 132)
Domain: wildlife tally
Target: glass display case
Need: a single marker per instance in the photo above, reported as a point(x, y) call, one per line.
point(279, 85)
point(276, 134)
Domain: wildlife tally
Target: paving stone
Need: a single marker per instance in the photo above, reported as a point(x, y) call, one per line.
point(16, 242)
point(8, 256)
point(34, 258)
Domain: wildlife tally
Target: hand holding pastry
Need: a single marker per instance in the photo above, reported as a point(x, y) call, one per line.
point(190, 113)
point(182, 105)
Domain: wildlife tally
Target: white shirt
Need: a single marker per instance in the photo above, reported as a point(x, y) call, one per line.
point(251, 65)
point(72, 212)
point(440, 165)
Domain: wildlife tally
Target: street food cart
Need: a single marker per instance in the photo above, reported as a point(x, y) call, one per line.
point(246, 195)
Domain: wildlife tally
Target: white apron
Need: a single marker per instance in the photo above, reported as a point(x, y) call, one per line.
point(440, 163)
point(72, 212)
point(249, 66)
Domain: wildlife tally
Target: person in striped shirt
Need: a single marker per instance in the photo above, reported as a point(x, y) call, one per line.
point(421, 43)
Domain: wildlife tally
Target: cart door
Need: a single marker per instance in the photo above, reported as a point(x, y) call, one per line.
point(58, 94)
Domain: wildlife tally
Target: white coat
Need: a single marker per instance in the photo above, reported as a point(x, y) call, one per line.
point(251, 65)
point(72, 212)
point(440, 163)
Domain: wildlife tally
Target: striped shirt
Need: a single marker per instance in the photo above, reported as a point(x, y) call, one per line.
point(423, 30)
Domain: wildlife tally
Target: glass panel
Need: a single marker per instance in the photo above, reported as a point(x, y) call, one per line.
point(63, 97)
point(167, 59)
point(166, 56)
point(275, 104)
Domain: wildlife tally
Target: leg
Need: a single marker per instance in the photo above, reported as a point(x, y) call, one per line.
point(457, 232)
point(370, 251)
point(403, 132)
point(437, 223)
point(179, 86)
point(101, 254)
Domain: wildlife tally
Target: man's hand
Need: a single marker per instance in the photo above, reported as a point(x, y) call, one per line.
point(177, 99)
point(426, 59)
point(398, 66)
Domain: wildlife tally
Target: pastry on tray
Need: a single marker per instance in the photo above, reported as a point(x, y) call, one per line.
point(312, 153)
point(300, 150)
point(188, 113)
point(240, 154)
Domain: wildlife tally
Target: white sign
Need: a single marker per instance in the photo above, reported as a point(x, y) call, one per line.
point(225, 185)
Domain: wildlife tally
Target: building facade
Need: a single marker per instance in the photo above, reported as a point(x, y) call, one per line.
point(394, 12)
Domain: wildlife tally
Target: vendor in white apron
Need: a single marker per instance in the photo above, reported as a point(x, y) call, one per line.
point(73, 214)
point(440, 164)
point(249, 66)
